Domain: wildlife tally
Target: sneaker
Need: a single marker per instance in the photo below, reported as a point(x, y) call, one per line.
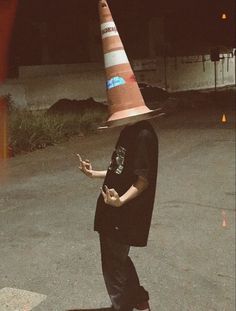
point(144, 306)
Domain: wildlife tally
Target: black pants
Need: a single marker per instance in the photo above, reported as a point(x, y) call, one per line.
point(120, 276)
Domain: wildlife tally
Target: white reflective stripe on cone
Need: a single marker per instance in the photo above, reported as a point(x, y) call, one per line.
point(109, 30)
point(115, 58)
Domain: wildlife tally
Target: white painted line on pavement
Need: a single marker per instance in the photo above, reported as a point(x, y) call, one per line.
point(13, 299)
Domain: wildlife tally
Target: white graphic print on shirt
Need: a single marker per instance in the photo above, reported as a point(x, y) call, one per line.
point(118, 159)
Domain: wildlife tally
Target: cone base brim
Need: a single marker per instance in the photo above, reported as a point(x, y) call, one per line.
point(132, 119)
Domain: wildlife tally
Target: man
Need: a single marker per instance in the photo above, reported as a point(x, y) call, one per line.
point(125, 204)
point(124, 211)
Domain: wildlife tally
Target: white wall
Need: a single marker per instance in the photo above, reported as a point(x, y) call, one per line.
point(39, 87)
point(45, 91)
point(187, 73)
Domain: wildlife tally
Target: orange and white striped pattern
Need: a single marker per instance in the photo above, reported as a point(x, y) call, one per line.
point(125, 101)
point(124, 96)
point(114, 53)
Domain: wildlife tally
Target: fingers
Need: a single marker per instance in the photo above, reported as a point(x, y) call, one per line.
point(107, 190)
point(78, 155)
point(110, 193)
point(88, 164)
point(84, 165)
point(113, 193)
point(110, 196)
point(104, 195)
point(81, 161)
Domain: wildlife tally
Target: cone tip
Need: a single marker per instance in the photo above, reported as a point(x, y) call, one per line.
point(223, 118)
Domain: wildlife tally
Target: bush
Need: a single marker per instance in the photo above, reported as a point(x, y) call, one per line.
point(30, 131)
point(10, 104)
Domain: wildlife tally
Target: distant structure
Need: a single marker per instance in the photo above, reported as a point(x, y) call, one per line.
point(62, 57)
point(67, 33)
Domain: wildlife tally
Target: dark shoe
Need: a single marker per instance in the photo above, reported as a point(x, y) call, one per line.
point(100, 309)
point(144, 306)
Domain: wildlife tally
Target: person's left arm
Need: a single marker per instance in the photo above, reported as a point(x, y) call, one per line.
point(111, 197)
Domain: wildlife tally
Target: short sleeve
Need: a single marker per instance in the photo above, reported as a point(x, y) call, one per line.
point(142, 154)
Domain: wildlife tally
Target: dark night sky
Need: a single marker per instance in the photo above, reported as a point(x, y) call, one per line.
point(187, 22)
point(40, 9)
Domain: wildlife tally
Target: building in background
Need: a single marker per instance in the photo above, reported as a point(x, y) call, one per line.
point(56, 47)
point(56, 32)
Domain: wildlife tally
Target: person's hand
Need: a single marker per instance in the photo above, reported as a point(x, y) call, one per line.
point(85, 166)
point(111, 197)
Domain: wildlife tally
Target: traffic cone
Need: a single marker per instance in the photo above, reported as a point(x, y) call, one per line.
point(224, 118)
point(125, 101)
point(224, 221)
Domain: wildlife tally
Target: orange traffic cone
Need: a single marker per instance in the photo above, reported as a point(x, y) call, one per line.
point(224, 221)
point(223, 118)
point(125, 101)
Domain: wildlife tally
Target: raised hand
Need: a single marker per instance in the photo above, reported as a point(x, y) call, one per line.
point(85, 166)
point(111, 197)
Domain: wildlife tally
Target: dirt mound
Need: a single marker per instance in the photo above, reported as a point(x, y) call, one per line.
point(64, 106)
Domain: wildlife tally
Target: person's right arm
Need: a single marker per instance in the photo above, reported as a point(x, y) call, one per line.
point(99, 174)
point(86, 168)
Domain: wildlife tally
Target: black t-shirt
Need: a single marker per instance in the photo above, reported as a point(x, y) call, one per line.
point(136, 154)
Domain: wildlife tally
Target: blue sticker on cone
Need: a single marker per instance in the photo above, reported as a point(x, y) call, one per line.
point(114, 82)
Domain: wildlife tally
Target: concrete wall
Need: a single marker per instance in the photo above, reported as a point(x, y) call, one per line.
point(187, 72)
point(55, 70)
point(39, 87)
